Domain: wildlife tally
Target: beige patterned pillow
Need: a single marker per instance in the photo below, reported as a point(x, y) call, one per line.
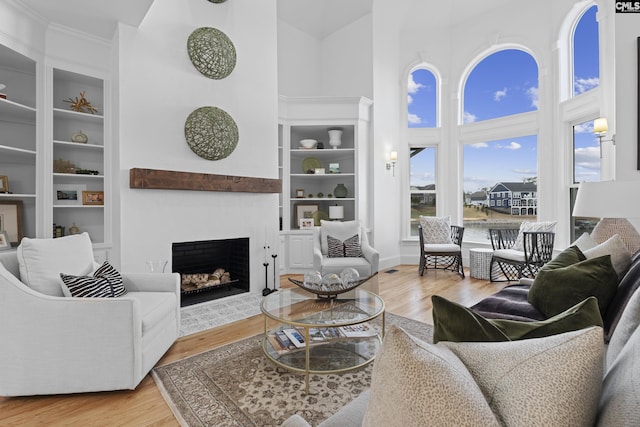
point(554, 380)
point(530, 226)
point(436, 229)
point(614, 246)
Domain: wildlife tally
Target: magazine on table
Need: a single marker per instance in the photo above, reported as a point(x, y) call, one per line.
point(295, 337)
point(360, 330)
point(290, 339)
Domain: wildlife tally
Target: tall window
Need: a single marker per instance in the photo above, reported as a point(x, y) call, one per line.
point(586, 153)
point(422, 99)
point(500, 175)
point(586, 58)
point(500, 185)
point(587, 160)
point(422, 184)
point(502, 84)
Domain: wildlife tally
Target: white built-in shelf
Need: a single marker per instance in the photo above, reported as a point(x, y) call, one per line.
point(77, 145)
point(79, 176)
point(78, 206)
point(17, 196)
point(14, 111)
point(59, 113)
point(320, 175)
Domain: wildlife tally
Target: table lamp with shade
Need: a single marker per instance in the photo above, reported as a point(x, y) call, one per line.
point(336, 213)
point(614, 202)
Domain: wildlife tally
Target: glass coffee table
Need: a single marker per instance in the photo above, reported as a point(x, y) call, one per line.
point(310, 335)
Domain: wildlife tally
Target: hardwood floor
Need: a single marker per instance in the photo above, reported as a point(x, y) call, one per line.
point(405, 293)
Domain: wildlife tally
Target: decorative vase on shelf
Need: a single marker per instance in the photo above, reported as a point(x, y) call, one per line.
point(74, 229)
point(79, 137)
point(335, 137)
point(340, 191)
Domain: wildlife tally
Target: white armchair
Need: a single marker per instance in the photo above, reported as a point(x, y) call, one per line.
point(366, 264)
point(57, 344)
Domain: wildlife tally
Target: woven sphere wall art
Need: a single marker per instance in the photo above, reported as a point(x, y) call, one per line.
point(211, 52)
point(211, 133)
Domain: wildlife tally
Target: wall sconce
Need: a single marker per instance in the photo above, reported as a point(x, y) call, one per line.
point(391, 164)
point(600, 128)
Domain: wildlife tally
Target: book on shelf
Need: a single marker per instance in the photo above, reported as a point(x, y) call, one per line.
point(360, 330)
point(277, 345)
point(295, 337)
point(288, 339)
point(284, 341)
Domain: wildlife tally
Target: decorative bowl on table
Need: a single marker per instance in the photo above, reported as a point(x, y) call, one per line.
point(331, 284)
point(308, 143)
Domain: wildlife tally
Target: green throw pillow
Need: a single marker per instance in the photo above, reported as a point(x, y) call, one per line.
point(569, 256)
point(455, 322)
point(553, 291)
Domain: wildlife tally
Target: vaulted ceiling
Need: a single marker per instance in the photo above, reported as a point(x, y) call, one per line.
point(318, 18)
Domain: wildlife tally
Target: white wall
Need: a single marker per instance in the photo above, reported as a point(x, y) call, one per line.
point(346, 60)
point(158, 89)
point(298, 62)
point(338, 65)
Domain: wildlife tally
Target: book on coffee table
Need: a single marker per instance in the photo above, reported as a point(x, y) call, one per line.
point(360, 330)
point(295, 337)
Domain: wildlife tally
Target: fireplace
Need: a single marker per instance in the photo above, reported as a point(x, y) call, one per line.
point(211, 269)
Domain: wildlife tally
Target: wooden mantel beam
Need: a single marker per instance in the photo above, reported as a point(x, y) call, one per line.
point(157, 179)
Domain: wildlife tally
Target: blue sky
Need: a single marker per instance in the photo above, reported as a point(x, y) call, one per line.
point(502, 84)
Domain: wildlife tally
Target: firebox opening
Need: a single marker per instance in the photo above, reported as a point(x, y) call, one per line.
point(211, 269)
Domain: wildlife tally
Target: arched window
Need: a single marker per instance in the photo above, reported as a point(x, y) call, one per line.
point(586, 58)
point(502, 84)
point(422, 99)
point(500, 162)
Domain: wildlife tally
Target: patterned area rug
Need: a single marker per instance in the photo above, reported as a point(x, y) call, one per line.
point(200, 317)
point(236, 385)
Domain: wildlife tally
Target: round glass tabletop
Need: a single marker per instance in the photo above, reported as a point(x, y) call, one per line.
point(297, 307)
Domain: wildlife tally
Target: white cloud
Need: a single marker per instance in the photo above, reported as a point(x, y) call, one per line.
point(409, 99)
point(479, 145)
point(586, 127)
point(510, 146)
point(498, 95)
point(414, 119)
point(532, 93)
point(468, 117)
point(587, 158)
point(412, 86)
point(528, 172)
point(475, 183)
point(583, 85)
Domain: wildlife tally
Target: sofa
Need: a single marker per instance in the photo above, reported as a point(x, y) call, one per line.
point(584, 377)
point(54, 344)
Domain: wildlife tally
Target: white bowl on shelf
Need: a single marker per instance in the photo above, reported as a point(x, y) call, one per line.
point(308, 143)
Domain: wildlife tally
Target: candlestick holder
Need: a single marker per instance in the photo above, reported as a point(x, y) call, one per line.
point(266, 291)
point(274, 256)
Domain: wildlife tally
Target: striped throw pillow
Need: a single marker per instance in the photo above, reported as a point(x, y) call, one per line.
point(349, 248)
point(106, 282)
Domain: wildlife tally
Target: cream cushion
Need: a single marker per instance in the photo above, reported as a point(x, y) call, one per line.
point(585, 242)
point(42, 260)
point(506, 383)
point(436, 229)
point(341, 230)
point(620, 400)
point(620, 256)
